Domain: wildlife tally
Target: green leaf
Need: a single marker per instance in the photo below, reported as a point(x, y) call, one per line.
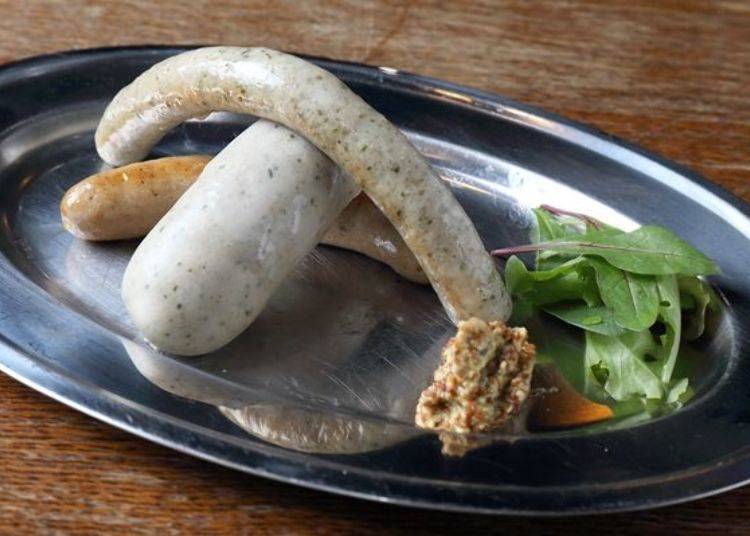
point(632, 298)
point(638, 363)
point(678, 389)
point(628, 375)
point(599, 235)
point(517, 274)
point(600, 372)
point(620, 290)
point(562, 347)
point(523, 310)
point(649, 250)
point(598, 319)
point(590, 294)
point(542, 287)
point(695, 297)
point(671, 316)
point(547, 227)
point(658, 251)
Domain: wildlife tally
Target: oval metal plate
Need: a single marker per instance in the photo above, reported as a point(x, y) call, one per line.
point(320, 390)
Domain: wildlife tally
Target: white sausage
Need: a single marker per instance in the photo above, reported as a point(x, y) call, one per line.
point(315, 103)
point(204, 273)
point(128, 201)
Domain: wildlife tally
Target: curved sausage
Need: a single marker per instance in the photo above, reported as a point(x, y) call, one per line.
point(315, 103)
point(127, 202)
point(207, 269)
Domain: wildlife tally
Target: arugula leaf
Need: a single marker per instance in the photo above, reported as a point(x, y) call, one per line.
point(628, 375)
point(562, 346)
point(548, 228)
point(591, 294)
point(671, 316)
point(649, 250)
point(591, 224)
point(515, 275)
point(632, 298)
point(540, 288)
point(695, 298)
point(626, 293)
point(519, 272)
point(677, 392)
point(658, 251)
point(637, 364)
point(598, 319)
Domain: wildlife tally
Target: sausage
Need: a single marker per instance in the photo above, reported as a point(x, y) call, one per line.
point(289, 385)
point(362, 227)
point(203, 274)
point(361, 141)
point(127, 202)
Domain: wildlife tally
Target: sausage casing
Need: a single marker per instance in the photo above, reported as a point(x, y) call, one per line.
point(207, 269)
point(313, 102)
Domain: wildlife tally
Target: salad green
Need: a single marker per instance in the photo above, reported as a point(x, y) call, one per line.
point(634, 296)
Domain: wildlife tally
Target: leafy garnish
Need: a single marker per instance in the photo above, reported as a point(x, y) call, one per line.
point(670, 316)
point(632, 298)
point(649, 250)
point(695, 298)
point(626, 293)
point(549, 228)
point(561, 283)
point(591, 223)
point(598, 319)
point(627, 374)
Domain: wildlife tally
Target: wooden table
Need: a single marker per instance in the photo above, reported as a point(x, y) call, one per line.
point(671, 75)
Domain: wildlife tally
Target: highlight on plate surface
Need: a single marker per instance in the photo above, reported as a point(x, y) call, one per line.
point(321, 166)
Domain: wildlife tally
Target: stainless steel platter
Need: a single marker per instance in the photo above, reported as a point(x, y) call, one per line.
point(320, 391)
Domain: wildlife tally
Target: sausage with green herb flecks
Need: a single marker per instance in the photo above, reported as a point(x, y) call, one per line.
point(207, 269)
point(315, 103)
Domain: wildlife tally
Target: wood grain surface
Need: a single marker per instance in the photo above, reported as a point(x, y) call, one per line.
point(671, 75)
